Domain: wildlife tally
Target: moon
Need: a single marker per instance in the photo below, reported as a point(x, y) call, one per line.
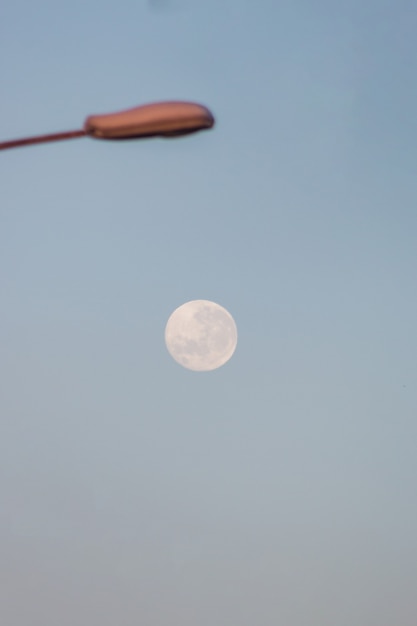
point(201, 335)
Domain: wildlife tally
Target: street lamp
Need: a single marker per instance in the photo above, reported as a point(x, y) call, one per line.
point(160, 119)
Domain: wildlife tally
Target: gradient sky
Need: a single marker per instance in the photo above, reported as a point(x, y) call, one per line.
point(281, 488)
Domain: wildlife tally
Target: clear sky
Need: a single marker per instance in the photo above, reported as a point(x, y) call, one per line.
point(280, 489)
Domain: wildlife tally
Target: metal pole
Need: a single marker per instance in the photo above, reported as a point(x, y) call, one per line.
point(27, 141)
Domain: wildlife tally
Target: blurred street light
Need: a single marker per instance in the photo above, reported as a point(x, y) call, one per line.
point(160, 119)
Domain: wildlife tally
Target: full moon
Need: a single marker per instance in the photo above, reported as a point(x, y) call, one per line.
point(201, 335)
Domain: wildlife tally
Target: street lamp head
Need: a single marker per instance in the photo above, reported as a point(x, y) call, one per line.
point(164, 119)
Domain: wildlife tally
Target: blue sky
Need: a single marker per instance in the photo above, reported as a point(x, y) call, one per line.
point(281, 488)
